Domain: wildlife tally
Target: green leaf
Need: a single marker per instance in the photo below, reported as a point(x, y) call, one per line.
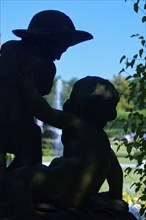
point(141, 37)
point(133, 184)
point(128, 77)
point(129, 148)
point(127, 63)
point(135, 56)
point(137, 187)
point(130, 115)
point(138, 131)
point(118, 148)
point(131, 110)
point(122, 70)
point(143, 42)
point(133, 127)
point(116, 139)
point(143, 19)
point(132, 63)
point(136, 7)
point(142, 211)
point(134, 35)
point(122, 58)
point(141, 116)
point(136, 114)
point(140, 52)
point(128, 170)
point(132, 85)
point(125, 128)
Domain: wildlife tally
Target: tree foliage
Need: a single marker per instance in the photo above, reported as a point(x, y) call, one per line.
point(136, 122)
point(122, 86)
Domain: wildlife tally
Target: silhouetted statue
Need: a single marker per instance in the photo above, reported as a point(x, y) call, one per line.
point(49, 34)
point(71, 183)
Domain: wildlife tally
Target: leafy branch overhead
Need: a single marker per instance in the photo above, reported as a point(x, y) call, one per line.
point(136, 122)
point(137, 8)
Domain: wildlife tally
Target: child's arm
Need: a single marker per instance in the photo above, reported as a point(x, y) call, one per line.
point(39, 107)
point(115, 177)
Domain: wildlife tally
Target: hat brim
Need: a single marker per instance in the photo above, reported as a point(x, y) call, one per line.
point(70, 37)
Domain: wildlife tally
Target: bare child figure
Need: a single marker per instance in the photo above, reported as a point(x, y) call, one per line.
point(49, 34)
point(88, 160)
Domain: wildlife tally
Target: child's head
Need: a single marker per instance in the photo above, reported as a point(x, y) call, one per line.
point(94, 98)
point(52, 32)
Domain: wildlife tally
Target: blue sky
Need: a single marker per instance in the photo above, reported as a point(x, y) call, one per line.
point(110, 22)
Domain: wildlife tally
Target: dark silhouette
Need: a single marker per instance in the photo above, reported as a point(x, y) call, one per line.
point(71, 183)
point(49, 34)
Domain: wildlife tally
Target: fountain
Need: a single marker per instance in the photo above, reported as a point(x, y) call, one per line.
point(58, 93)
point(57, 145)
point(54, 133)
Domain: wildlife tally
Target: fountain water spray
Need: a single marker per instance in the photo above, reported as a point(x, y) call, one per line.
point(58, 105)
point(57, 145)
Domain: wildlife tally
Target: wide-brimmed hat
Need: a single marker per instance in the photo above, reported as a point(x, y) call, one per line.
point(53, 25)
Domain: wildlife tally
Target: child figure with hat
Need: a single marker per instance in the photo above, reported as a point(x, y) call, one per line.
point(47, 37)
